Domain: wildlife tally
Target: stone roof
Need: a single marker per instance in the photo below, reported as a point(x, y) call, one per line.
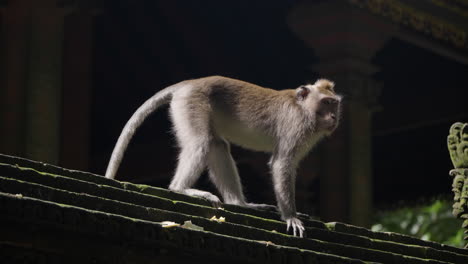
point(55, 215)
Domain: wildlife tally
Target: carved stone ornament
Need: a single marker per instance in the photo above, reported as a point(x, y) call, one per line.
point(457, 143)
point(403, 14)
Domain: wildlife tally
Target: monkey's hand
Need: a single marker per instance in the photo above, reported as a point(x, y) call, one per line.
point(297, 226)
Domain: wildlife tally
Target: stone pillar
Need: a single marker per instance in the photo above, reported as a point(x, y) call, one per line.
point(44, 85)
point(345, 39)
point(46, 82)
point(33, 37)
point(77, 85)
point(457, 143)
point(13, 66)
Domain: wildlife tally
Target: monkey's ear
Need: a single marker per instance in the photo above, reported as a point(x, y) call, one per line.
point(302, 92)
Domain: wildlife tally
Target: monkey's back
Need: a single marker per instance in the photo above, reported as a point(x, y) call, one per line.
point(241, 112)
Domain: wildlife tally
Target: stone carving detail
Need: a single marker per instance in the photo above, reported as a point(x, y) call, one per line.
point(457, 143)
point(400, 13)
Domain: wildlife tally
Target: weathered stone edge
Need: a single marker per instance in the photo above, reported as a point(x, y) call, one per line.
point(366, 249)
point(144, 189)
point(390, 236)
point(89, 202)
point(106, 192)
point(74, 185)
point(40, 212)
point(41, 167)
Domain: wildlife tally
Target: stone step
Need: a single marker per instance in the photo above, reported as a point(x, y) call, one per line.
point(93, 192)
point(48, 169)
point(394, 237)
point(92, 236)
point(132, 197)
point(97, 203)
point(52, 170)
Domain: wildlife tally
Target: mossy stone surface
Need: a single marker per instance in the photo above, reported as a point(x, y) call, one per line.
point(126, 218)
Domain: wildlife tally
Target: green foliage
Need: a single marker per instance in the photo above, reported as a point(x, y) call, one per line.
point(433, 222)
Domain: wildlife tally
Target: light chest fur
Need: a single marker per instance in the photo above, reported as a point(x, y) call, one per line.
point(240, 133)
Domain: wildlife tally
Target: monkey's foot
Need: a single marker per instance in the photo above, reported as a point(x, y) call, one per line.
point(215, 201)
point(266, 207)
point(297, 226)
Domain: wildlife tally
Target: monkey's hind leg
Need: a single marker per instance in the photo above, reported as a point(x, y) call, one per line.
point(223, 173)
point(190, 167)
point(191, 126)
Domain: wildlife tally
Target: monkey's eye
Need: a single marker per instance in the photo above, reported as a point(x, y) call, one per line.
point(329, 101)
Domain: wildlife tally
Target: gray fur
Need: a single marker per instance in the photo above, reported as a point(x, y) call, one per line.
point(210, 113)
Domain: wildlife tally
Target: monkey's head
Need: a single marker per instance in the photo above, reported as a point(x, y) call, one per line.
point(321, 101)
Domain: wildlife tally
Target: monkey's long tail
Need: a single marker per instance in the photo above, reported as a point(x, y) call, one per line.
point(160, 98)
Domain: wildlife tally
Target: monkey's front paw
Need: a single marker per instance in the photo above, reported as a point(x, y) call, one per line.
point(266, 207)
point(297, 226)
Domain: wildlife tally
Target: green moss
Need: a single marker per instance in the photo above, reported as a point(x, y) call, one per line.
point(16, 166)
point(141, 187)
point(330, 226)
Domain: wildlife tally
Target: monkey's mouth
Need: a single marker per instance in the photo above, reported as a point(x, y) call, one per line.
point(331, 126)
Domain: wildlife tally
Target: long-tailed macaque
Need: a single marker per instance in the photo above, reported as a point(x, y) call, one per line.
point(210, 113)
